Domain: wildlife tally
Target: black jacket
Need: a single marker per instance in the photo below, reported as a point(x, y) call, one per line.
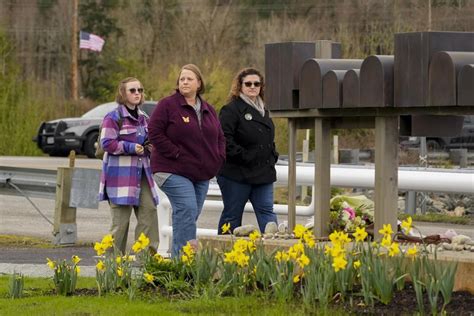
point(250, 146)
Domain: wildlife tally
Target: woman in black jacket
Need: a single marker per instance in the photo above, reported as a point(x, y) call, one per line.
point(249, 170)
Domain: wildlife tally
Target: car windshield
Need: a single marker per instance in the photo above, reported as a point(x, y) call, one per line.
point(100, 110)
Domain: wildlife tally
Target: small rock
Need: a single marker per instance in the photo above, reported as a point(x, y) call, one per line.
point(459, 211)
point(472, 249)
point(268, 236)
point(458, 247)
point(244, 230)
point(461, 239)
point(282, 228)
point(447, 246)
point(271, 228)
point(470, 242)
point(439, 249)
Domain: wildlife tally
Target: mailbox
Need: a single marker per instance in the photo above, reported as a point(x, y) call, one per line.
point(376, 81)
point(350, 93)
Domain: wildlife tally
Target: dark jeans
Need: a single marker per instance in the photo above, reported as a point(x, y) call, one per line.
point(236, 194)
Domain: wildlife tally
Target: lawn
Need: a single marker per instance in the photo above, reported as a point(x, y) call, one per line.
point(40, 300)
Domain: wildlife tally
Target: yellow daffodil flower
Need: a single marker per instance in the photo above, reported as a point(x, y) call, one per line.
point(99, 248)
point(303, 260)
point(386, 241)
point(51, 264)
point(148, 277)
point(412, 252)
point(107, 241)
point(75, 259)
point(144, 240)
point(296, 278)
point(254, 236)
point(242, 260)
point(118, 259)
point(299, 230)
point(78, 269)
point(386, 230)
point(360, 234)
point(137, 247)
point(188, 250)
point(119, 271)
point(225, 228)
point(394, 249)
point(339, 263)
point(406, 225)
point(309, 239)
point(158, 257)
point(100, 265)
point(357, 264)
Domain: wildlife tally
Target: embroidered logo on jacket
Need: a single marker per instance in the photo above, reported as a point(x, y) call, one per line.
point(185, 119)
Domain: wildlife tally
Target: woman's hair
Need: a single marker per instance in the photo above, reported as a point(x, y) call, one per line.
point(197, 72)
point(238, 79)
point(121, 97)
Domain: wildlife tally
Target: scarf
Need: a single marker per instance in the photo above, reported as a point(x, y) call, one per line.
point(257, 105)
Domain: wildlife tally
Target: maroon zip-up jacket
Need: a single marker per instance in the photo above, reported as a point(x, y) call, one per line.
point(180, 145)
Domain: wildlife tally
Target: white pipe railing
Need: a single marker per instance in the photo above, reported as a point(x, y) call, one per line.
point(409, 179)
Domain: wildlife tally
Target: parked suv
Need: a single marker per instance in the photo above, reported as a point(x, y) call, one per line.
point(59, 137)
point(465, 140)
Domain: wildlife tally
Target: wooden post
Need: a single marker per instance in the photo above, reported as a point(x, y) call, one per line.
point(386, 172)
point(63, 213)
point(291, 174)
point(74, 43)
point(322, 176)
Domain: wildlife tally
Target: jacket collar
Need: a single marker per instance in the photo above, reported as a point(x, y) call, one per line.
point(182, 101)
point(243, 107)
point(124, 112)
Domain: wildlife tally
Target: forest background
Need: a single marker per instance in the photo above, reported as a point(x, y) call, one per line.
point(151, 39)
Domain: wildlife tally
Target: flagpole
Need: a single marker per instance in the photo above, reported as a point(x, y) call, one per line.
point(74, 92)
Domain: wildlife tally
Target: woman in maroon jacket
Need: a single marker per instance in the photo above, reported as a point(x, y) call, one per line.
point(188, 150)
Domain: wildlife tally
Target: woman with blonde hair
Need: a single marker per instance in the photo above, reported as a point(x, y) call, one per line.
point(188, 150)
point(126, 180)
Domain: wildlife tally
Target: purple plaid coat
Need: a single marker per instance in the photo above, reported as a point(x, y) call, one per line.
point(122, 168)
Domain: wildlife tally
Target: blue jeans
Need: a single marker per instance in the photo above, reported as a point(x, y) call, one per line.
point(186, 198)
point(236, 194)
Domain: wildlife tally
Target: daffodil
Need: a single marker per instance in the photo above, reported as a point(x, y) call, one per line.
point(406, 225)
point(303, 260)
point(77, 269)
point(186, 259)
point(299, 230)
point(137, 247)
point(145, 241)
point(188, 250)
point(360, 234)
point(386, 230)
point(75, 259)
point(100, 265)
point(296, 278)
point(254, 235)
point(51, 264)
point(295, 250)
point(225, 228)
point(339, 263)
point(412, 252)
point(119, 271)
point(118, 259)
point(242, 260)
point(394, 249)
point(108, 241)
point(309, 239)
point(337, 251)
point(386, 241)
point(357, 264)
point(99, 248)
point(148, 277)
point(158, 257)
point(229, 257)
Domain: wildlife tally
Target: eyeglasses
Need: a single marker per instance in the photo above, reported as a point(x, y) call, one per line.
point(256, 84)
point(134, 90)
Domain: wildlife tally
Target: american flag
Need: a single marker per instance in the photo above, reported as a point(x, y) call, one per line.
point(91, 41)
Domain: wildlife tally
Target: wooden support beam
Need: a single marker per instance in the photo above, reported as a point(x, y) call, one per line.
point(63, 213)
point(386, 172)
point(322, 176)
point(291, 174)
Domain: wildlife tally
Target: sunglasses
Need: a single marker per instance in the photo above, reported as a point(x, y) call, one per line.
point(256, 84)
point(134, 90)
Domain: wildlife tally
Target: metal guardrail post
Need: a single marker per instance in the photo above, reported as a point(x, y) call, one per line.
point(65, 228)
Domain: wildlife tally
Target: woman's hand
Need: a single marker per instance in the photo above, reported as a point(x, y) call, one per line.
point(139, 149)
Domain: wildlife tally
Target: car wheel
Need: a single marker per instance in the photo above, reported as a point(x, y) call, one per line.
point(89, 145)
point(434, 145)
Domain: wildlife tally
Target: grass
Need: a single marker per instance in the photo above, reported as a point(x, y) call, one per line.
point(13, 241)
point(39, 300)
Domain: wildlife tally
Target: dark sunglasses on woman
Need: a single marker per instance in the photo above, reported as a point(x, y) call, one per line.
point(256, 84)
point(134, 90)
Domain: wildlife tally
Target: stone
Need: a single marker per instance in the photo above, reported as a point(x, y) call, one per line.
point(470, 242)
point(268, 236)
point(244, 230)
point(459, 211)
point(458, 247)
point(271, 228)
point(461, 239)
point(282, 228)
point(447, 246)
point(472, 249)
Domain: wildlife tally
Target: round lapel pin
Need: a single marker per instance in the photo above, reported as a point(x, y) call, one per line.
point(248, 116)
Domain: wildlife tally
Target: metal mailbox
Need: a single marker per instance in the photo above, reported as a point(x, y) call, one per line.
point(376, 81)
point(332, 88)
point(350, 93)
